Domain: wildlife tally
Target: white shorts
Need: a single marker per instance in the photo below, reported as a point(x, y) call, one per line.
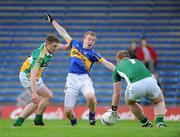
point(76, 84)
point(25, 82)
point(144, 88)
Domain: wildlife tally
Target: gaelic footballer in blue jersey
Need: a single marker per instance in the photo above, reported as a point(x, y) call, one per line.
point(82, 57)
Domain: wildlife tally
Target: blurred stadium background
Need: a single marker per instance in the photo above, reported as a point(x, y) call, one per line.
point(116, 23)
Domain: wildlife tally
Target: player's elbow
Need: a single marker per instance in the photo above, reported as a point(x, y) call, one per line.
point(117, 94)
point(50, 96)
point(32, 76)
point(67, 48)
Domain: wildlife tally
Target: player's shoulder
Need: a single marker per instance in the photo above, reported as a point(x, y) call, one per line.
point(43, 49)
point(132, 59)
point(77, 43)
point(94, 52)
point(137, 60)
point(40, 50)
point(117, 66)
point(115, 73)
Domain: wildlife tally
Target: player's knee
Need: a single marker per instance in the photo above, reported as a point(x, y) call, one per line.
point(50, 96)
point(35, 105)
point(130, 102)
point(157, 101)
point(68, 110)
point(160, 98)
point(91, 98)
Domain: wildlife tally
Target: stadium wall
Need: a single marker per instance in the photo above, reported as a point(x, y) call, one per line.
point(57, 113)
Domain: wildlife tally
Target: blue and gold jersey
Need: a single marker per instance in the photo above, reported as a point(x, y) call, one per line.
point(81, 59)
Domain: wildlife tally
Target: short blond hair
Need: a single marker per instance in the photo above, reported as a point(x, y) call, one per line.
point(89, 33)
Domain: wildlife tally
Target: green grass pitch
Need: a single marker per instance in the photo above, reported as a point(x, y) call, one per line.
point(61, 128)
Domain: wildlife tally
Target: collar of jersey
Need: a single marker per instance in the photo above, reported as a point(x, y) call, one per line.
point(123, 59)
point(47, 53)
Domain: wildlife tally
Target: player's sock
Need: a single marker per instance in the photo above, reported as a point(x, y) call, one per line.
point(92, 119)
point(38, 120)
point(160, 121)
point(145, 122)
point(19, 121)
point(74, 122)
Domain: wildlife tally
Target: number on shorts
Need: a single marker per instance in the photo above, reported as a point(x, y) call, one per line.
point(132, 61)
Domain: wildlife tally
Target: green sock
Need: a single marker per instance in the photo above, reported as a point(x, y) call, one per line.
point(144, 121)
point(19, 121)
point(38, 118)
point(160, 119)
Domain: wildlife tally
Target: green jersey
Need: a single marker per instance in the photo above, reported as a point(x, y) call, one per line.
point(132, 70)
point(39, 59)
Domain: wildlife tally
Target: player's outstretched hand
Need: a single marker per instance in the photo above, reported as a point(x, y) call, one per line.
point(48, 18)
point(114, 114)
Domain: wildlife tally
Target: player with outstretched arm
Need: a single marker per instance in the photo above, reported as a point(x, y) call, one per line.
point(82, 57)
point(140, 83)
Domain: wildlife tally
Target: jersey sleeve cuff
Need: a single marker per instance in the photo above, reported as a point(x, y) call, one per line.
point(114, 81)
point(101, 60)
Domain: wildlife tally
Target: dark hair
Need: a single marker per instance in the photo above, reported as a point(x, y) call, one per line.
point(52, 38)
point(134, 41)
point(89, 33)
point(144, 38)
point(122, 54)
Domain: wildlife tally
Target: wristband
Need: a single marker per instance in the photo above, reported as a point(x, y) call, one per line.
point(114, 108)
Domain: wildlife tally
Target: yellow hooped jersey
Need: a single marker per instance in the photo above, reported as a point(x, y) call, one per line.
point(82, 59)
point(39, 59)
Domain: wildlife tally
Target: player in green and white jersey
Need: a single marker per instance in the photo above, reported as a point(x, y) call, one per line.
point(140, 83)
point(30, 78)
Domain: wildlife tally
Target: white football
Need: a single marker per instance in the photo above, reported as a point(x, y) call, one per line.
point(108, 119)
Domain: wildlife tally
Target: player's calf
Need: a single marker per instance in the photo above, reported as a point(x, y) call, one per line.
point(138, 112)
point(91, 101)
point(160, 110)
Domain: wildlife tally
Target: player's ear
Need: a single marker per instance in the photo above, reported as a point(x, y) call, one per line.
point(117, 59)
point(47, 44)
point(84, 38)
